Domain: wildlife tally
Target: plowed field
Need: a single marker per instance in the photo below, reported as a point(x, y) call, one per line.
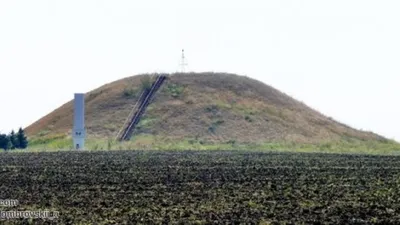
point(202, 187)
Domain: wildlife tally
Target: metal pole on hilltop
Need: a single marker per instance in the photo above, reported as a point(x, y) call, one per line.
point(183, 61)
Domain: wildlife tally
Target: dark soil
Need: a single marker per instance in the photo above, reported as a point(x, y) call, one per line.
point(213, 187)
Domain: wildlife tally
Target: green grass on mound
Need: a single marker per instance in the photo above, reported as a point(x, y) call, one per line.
point(142, 141)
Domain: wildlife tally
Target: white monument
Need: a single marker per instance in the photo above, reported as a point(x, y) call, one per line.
point(78, 131)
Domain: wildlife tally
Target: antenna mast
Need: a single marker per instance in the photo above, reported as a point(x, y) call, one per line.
point(183, 63)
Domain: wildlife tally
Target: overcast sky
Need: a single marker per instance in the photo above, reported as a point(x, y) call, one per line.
point(340, 57)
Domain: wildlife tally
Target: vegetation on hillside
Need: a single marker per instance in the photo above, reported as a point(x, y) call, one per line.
point(202, 109)
point(152, 142)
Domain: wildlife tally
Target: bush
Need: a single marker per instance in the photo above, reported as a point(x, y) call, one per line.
point(231, 142)
point(175, 90)
point(248, 118)
point(145, 83)
point(212, 109)
point(212, 128)
point(129, 92)
point(219, 122)
point(214, 125)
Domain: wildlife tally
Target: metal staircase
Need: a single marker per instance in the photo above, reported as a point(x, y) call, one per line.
point(140, 108)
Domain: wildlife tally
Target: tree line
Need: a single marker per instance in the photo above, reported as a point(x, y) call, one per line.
point(13, 140)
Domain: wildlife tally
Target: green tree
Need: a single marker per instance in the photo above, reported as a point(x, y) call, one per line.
point(4, 142)
point(21, 139)
point(13, 140)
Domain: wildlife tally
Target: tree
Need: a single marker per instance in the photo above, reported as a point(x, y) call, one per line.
point(21, 139)
point(4, 142)
point(13, 140)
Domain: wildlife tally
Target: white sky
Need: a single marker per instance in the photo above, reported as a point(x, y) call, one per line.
point(340, 57)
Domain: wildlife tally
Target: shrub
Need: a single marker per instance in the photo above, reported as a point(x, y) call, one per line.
point(129, 92)
point(212, 129)
point(145, 83)
point(214, 125)
point(190, 101)
point(231, 142)
point(175, 90)
point(219, 122)
point(248, 118)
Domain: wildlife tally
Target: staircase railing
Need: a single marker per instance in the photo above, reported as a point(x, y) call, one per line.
point(131, 113)
point(142, 104)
